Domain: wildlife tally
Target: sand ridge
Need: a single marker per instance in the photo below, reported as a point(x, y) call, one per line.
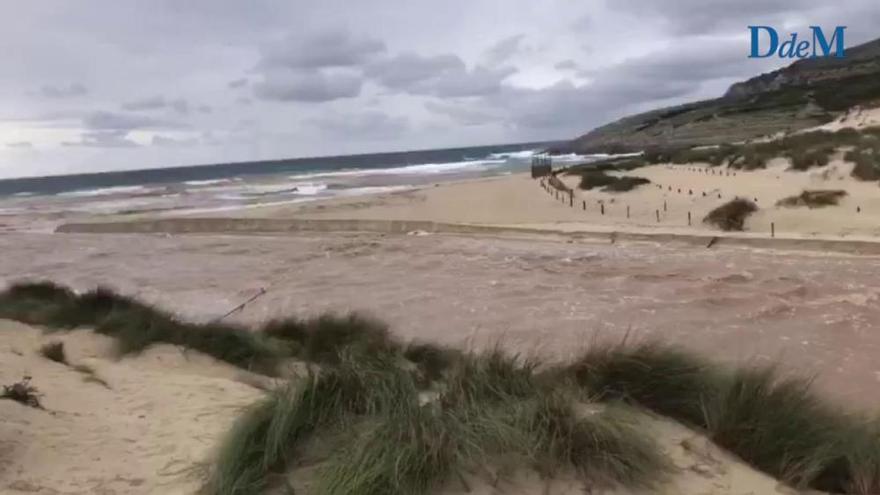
point(152, 431)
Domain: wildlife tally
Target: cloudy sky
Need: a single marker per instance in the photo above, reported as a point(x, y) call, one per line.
point(98, 85)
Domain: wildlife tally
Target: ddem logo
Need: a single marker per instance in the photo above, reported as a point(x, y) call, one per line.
point(819, 46)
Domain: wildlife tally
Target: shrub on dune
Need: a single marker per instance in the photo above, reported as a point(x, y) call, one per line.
point(866, 162)
point(814, 199)
point(595, 179)
point(592, 179)
point(805, 159)
point(731, 215)
point(624, 184)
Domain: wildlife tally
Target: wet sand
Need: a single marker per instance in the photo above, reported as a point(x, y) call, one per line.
point(816, 313)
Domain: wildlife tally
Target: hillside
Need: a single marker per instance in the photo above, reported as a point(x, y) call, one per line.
point(804, 94)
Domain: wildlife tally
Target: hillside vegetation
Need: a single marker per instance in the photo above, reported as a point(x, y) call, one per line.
point(803, 150)
point(805, 94)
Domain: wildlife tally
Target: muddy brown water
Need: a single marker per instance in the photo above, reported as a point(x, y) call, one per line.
point(818, 314)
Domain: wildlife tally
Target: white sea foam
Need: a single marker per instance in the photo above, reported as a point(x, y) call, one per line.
point(299, 188)
point(356, 191)
point(207, 182)
point(115, 206)
point(516, 154)
point(424, 168)
point(360, 191)
point(105, 191)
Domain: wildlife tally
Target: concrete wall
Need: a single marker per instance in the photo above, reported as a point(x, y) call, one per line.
point(286, 225)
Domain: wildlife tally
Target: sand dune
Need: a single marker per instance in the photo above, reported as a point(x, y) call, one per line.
point(855, 118)
point(151, 431)
point(154, 426)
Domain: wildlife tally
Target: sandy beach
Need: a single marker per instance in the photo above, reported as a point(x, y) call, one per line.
point(518, 200)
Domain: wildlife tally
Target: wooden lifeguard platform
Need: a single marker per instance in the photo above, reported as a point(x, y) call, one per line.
point(542, 166)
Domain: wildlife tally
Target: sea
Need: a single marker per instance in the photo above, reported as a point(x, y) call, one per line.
point(230, 186)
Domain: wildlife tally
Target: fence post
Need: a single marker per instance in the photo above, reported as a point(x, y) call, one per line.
point(571, 198)
point(585, 205)
point(689, 219)
point(657, 212)
point(772, 229)
point(602, 208)
point(664, 205)
point(627, 211)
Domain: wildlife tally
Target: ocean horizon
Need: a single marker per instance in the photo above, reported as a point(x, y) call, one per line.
point(229, 186)
point(453, 158)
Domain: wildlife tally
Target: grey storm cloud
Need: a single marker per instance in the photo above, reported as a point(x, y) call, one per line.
point(692, 61)
point(569, 107)
point(103, 139)
point(167, 141)
point(315, 87)
point(150, 103)
point(438, 75)
point(71, 91)
point(714, 16)
point(20, 144)
point(501, 51)
point(112, 121)
point(237, 83)
point(179, 105)
point(370, 124)
point(462, 114)
point(326, 49)
point(567, 64)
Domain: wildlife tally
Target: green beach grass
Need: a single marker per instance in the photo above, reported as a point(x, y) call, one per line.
point(396, 418)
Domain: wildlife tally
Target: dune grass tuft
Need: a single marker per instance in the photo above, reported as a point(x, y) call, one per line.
point(490, 406)
point(54, 351)
point(135, 325)
point(664, 379)
point(320, 339)
point(432, 360)
point(776, 424)
point(606, 447)
point(269, 432)
point(773, 423)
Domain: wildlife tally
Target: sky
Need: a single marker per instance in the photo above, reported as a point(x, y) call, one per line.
point(102, 85)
